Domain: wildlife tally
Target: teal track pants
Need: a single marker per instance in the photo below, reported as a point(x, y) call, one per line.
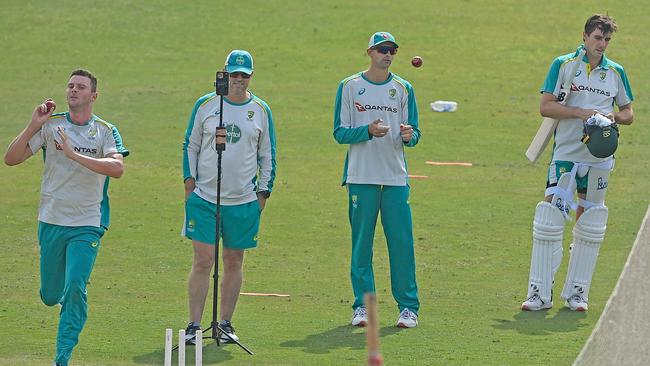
point(67, 259)
point(366, 201)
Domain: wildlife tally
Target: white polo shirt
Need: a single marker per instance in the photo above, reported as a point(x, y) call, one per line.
point(359, 101)
point(248, 163)
point(71, 194)
point(596, 89)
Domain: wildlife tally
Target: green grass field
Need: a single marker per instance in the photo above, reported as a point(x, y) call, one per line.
point(473, 225)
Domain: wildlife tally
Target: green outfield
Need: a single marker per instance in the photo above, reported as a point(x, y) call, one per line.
point(472, 224)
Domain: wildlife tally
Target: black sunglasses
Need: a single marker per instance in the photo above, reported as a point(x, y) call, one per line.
point(242, 75)
point(385, 50)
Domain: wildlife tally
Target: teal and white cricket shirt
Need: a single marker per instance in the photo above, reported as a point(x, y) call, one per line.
point(248, 163)
point(595, 89)
point(359, 101)
point(71, 194)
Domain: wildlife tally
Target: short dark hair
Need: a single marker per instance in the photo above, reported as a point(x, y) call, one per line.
point(89, 75)
point(605, 23)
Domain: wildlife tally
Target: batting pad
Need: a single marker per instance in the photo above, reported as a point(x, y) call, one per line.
point(548, 231)
point(588, 234)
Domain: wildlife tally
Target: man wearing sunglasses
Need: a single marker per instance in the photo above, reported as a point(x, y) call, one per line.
point(377, 116)
point(248, 171)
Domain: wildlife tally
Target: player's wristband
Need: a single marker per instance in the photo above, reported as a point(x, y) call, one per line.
point(264, 194)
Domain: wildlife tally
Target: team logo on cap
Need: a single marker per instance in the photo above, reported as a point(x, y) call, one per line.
point(240, 60)
point(233, 134)
point(250, 115)
point(392, 93)
point(384, 36)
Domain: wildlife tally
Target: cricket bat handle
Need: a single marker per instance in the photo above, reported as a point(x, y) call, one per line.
point(541, 139)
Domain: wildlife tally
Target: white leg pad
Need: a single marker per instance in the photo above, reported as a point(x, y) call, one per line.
point(548, 230)
point(588, 234)
point(557, 256)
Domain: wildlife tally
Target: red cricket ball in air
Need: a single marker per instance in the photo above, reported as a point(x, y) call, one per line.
point(416, 61)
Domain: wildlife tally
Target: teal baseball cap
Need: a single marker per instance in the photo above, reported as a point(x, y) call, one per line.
point(239, 61)
point(381, 37)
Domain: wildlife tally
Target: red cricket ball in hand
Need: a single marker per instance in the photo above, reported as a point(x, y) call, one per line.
point(50, 105)
point(416, 61)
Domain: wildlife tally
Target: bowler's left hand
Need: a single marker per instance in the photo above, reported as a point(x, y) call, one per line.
point(64, 144)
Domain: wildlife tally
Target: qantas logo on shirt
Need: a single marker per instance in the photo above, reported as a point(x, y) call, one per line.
point(85, 150)
point(368, 107)
point(575, 87)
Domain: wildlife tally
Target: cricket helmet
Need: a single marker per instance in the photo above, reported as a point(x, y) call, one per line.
point(601, 141)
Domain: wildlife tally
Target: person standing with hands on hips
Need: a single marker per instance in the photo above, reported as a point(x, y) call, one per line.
point(248, 172)
point(376, 114)
point(598, 84)
point(81, 152)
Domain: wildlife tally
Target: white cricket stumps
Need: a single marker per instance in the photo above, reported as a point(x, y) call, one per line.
point(169, 339)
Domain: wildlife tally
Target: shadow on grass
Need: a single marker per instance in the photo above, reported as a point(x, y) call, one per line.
point(212, 354)
point(345, 336)
point(539, 323)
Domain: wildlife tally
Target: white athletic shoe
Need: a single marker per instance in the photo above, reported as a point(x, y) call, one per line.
point(227, 328)
point(360, 317)
point(577, 303)
point(535, 303)
point(407, 319)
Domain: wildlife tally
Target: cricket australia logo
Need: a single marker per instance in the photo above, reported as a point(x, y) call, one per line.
point(603, 74)
point(240, 60)
point(602, 183)
point(250, 115)
point(233, 134)
point(190, 225)
point(354, 201)
point(392, 92)
point(92, 133)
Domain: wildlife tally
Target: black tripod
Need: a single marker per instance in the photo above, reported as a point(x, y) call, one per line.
point(221, 86)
